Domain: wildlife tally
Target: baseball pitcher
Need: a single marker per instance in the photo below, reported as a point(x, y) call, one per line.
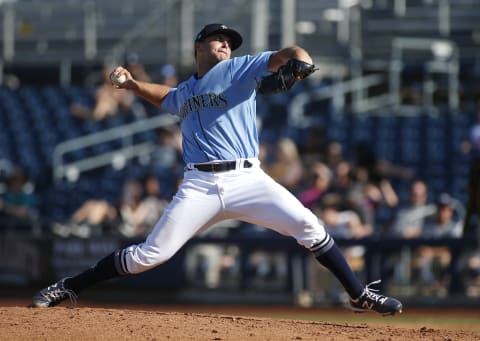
point(223, 178)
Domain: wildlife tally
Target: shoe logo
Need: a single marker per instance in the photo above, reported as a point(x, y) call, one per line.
point(367, 305)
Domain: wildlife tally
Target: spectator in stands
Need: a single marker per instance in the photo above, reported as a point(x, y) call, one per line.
point(343, 183)
point(166, 159)
point(447, 221)
point(321, 176)
point(131, 217)
point(169, 75)
point(108, 101)
point(93, 217)
point(343, 178)
point(366, 195)
point(339, 221)
point(408, 223)
point(287, 167)
point(432, 262)
point(18, 212)
point(141, 206)
point(168, 152)
point(410, 219)
point(333, 154)
point(152, 205)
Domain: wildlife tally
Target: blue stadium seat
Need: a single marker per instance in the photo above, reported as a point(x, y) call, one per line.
point(410, 153)
point(362, 128)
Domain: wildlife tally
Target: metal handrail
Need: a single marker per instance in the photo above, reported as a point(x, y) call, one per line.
point(337, 93)
point(127, 151)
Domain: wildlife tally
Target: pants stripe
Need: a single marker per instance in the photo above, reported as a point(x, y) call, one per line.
point(120, 262)
point(323, 246)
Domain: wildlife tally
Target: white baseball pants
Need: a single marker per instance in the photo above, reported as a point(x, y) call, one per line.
point(205, 198)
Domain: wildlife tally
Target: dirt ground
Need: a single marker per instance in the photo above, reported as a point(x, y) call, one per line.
point(87, 322)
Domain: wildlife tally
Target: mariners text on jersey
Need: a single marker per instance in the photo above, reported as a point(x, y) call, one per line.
point(197, 102)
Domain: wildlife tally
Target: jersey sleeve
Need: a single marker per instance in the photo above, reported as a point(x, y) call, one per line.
point(250, 68)
point(170, 103)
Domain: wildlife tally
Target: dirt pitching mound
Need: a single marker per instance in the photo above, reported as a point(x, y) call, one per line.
point(59, 323)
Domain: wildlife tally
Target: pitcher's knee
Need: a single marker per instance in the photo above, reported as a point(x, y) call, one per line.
point(137, 259)
point(312, 232)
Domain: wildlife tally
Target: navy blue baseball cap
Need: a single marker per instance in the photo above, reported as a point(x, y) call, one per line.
point(212, 29)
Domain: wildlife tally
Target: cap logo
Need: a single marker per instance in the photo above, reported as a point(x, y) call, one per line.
point(210, 29)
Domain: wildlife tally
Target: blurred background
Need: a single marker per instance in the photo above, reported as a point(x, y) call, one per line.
point(382, 143)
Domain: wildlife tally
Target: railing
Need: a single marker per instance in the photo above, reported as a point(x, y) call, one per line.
point(444, 60)
point(337, 93)
point(119, 156)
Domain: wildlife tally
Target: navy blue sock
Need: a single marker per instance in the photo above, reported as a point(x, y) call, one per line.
point(104, 270)
point(330, 256)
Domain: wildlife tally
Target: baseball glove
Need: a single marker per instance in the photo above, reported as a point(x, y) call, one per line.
point(286, 76)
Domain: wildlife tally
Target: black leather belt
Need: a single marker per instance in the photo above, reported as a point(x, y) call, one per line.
point(221, 166)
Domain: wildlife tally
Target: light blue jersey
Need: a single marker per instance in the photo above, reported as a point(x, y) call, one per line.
point(218, 111)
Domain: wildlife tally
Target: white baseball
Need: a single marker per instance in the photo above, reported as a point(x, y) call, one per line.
point(118, 78)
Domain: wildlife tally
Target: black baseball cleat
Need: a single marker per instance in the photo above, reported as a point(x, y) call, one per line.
point(369, 300)
point(53, 295)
